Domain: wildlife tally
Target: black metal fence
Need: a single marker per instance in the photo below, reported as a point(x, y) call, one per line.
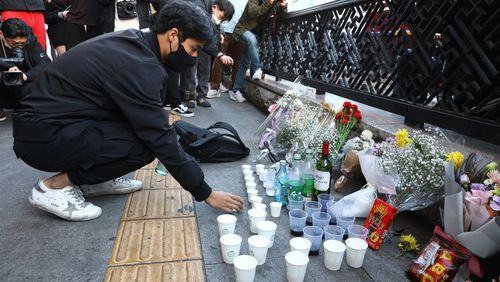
point(433, 61)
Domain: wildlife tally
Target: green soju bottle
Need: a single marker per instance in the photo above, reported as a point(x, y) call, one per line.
point(308, 176)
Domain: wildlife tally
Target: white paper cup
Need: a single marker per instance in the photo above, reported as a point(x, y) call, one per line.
point(300, 244)
point(259, 167)
point(259, 206)
point(334, 254)
point(244, 267)
point(296, 266)
point(255, 199)
point(226, 223)
point(267, 229)
point(247, 173)
point(257, 247)
point(256, 216)
point(249, 179)
point(251, 193)
point(230, 247)
point(275, 209)
point(356, 249)
point(246, 167)
point(250, 185)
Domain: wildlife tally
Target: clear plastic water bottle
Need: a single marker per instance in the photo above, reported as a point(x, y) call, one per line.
point(308, 175)
point(270, 182)
point(281, 184)
point(295, 182)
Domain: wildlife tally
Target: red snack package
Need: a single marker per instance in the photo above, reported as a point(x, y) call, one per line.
point(439, 260)
point(378, 221)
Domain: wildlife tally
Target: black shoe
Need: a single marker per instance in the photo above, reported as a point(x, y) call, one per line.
point(191, 104)
point(203, 103)
point(3, 116)
point(182, 111)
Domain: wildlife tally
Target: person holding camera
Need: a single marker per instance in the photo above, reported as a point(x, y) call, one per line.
point(96, 113)
point(22, 58)
point(248, 30)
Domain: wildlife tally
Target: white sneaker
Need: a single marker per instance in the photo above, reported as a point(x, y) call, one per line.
point(237, 96)
point(212, 93)
point(257, 75)
point(67, 203)
point(112, 187)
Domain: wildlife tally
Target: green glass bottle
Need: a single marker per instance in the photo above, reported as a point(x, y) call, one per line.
point(322, 174)
point(308, 176)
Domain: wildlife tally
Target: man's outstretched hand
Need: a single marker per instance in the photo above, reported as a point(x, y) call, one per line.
point(224, 201)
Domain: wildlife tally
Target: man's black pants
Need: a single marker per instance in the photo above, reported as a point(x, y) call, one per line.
point(89, 151)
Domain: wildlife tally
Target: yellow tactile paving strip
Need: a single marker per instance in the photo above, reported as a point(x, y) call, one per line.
point(157, 239)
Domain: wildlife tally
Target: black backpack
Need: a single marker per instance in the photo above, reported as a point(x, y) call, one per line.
point(208, 145)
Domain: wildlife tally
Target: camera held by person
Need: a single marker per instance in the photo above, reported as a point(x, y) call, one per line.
point(21, 60)
point(126, 9)
point(9, 77)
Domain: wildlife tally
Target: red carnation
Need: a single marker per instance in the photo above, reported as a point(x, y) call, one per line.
point(354, 107)
point(344, 121)
point(347, 104)
point(358, 115)
point(338, 116)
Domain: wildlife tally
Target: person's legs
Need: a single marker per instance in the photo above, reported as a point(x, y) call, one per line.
point(240, 74)
point(87, 152)
point(235, 50)
point(251, 49)
point(90, 152)
point(173, 96)
point(203, 74)
point(216, 75)
point(188, 86)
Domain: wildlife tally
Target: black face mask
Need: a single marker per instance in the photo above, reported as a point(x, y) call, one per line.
point(180, 61)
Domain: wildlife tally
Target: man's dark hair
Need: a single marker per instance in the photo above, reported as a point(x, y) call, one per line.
point(226, 7)
point(13, 28)
point(190, 19)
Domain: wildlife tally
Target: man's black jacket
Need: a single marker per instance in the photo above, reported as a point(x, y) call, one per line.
point(115, 77)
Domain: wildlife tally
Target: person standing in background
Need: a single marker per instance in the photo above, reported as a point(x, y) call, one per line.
point(84, 21)
point(55, 15)
point(231, 47)
point(194, 82)
point(31, 12)
point(250, 27)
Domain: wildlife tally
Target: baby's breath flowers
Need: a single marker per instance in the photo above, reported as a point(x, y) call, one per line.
point(418, 167)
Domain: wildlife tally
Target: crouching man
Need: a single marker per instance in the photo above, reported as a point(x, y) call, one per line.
point(96, 114)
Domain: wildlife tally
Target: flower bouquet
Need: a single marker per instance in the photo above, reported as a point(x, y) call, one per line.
point(409, 170)
point(472, 203)
point(296, 122)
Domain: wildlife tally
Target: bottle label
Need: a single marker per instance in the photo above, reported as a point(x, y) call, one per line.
point(321, 180)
